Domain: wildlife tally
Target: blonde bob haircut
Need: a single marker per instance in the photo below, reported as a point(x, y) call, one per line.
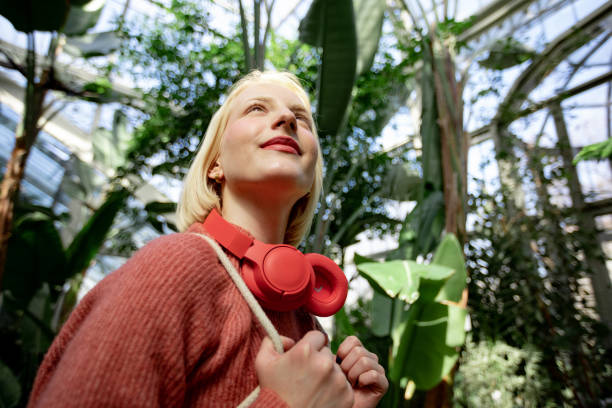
point(201, 194)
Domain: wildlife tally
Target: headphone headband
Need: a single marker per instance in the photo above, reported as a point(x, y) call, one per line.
point(227, 234)
point(280, 276)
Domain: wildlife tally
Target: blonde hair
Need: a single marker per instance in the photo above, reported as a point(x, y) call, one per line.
point(200, 193)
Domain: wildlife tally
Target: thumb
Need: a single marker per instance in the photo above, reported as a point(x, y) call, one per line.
point(266, 353)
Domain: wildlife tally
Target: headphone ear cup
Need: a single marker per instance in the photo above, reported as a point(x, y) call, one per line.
point(330, 289)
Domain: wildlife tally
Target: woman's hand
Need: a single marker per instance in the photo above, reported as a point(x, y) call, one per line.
point(306, 375)
point(366, 376)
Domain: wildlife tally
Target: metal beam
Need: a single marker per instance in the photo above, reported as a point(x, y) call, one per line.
point(484, 133)
point(556, 52)
point(491, 16)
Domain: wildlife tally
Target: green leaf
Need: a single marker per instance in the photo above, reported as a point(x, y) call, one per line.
point(402, 184)
point(380, 310)
point(422, 227)
point(450, 254)
point(395, 278)
point(402, 336)
point(433, 279)
point(111, 147)
point(506, 53)
point(159, 207)
point(35, 255)
point(344, 328)
point(35, 15)
point(369, 16)
point(10, 389)
point(430, 130)
point(92, 45)
point(83, 17)
point(595, 151)
point(87, 242)
point(359, 259)
point(330, 24)
point(100, 86)
point(432, 352)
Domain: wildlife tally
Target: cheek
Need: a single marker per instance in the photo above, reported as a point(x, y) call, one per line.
point(232, 141)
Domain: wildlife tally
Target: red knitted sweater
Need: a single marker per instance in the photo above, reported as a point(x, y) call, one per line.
point(168, 328)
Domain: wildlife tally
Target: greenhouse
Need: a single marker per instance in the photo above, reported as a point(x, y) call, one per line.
point(465, 193)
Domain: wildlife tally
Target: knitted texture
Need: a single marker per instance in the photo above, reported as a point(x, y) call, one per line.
point(169, 328)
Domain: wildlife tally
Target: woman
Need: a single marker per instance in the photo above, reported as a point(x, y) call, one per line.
point(170, 328)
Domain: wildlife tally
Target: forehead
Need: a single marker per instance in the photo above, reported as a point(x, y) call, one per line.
point(277, 92)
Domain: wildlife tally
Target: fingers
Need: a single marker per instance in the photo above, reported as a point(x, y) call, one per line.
point(266, 353)
point(360, 365)
point(313, 341)
point(347, 345)
point(374, 380)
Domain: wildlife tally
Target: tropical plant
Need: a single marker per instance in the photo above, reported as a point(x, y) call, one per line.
point(492, 373)
point(415, 305)
point(66, 20)
point(35, 301)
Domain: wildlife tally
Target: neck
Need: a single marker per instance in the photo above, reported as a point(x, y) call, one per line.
point(266, 221)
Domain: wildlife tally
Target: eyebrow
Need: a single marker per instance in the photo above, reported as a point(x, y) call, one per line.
point(294, 108)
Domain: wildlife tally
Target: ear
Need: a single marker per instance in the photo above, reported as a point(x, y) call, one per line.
point(216, 172)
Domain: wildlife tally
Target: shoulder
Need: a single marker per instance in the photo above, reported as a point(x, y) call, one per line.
point(171, 265)
point(183, 252)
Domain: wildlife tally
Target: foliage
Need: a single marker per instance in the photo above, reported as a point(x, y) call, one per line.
point(595, 151)
point(187, 68)
point(492, 373)
point(10, 389)
point(506, 53)
point(526, 287)
point(331, 26)
point(425, 329)
point(37, 269)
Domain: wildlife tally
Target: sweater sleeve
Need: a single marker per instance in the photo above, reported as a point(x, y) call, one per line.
point(131, 340)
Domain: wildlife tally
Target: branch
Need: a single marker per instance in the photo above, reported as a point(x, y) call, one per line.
point(256, 43)
point(267, 30)
point(245, 38)
point(52, 114)
point(12, 64)
point(286, 17)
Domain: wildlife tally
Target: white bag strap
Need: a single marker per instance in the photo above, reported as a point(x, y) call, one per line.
point(253, 304)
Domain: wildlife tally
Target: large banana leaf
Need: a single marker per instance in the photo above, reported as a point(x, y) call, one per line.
point(92, 45)
point(368, 21)
point(422, 227)
point(428, 349)
point(39, 15)
point(407, 305)
point(68, 16)
point(111, 146)
point(330, 24)
point(430, 131)
point(449, 254)
point(402, 183)
point(506, 53)
point(86, 243)
point(35, 255)
point(83, 17)
point(10, 389)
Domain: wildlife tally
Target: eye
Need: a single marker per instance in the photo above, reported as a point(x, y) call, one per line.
point(255, 108)
point(303, 118)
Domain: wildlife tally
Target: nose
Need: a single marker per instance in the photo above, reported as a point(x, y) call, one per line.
point(286, 119)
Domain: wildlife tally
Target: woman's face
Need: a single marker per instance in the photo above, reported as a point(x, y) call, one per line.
point(268, 143)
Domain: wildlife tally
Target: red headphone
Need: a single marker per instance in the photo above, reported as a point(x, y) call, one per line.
point(280, 276)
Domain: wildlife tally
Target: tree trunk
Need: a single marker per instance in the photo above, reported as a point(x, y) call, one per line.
point(453, 151)
point(15, 168)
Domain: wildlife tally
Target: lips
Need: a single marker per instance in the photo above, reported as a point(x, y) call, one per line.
point(283, 144)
